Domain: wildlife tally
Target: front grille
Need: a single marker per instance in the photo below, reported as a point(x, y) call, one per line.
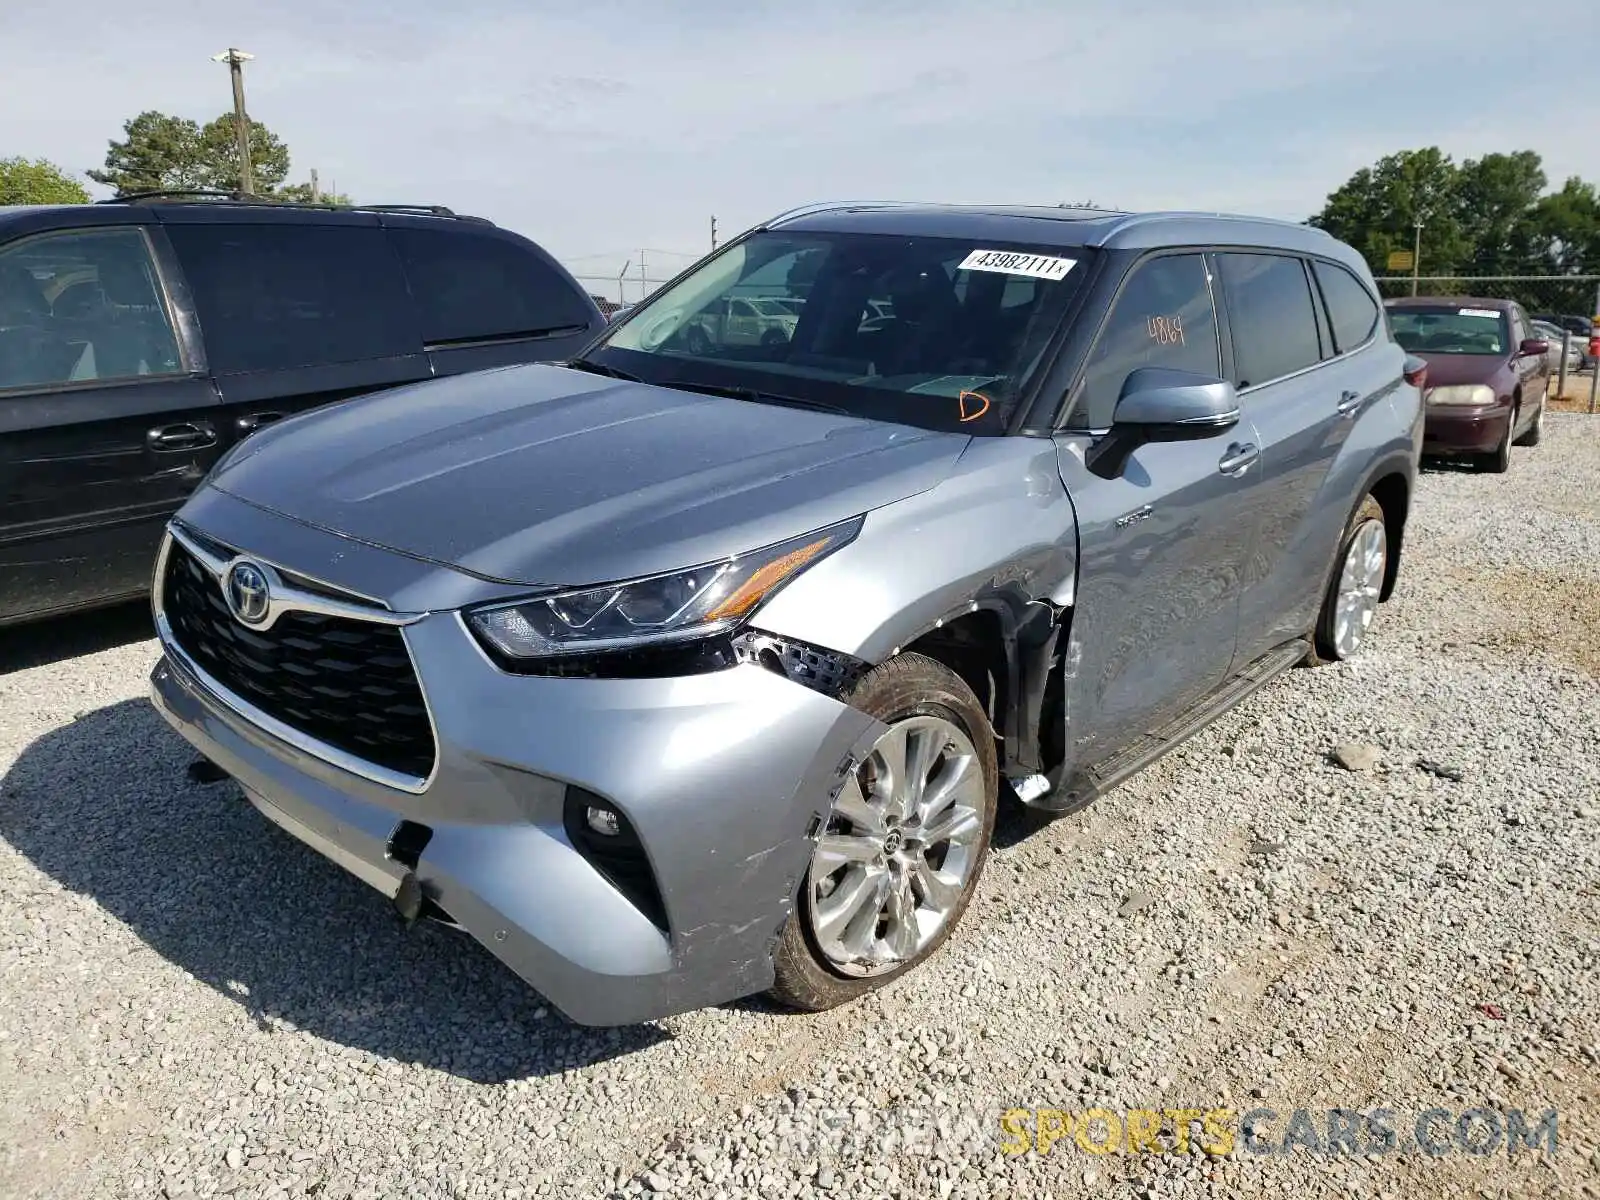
point(346, 683)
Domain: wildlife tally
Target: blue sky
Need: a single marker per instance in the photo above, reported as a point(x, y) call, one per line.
point(603, 126)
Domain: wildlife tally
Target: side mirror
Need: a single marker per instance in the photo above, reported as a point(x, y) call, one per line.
point(1532, 347)
point(1159, 404)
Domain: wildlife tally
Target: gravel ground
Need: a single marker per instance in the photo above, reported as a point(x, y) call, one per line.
point(192, 1002)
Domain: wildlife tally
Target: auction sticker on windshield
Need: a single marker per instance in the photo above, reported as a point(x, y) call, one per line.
point(1478, 312)
point(1012, 262)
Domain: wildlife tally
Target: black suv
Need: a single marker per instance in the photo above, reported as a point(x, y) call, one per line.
point(141, 338)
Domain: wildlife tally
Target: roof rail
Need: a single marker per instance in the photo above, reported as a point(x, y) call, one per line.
point(427, 210)
point(171, 193)
point(1129, 220)
point(827, 205)
point(422, 210)
point(222, 197)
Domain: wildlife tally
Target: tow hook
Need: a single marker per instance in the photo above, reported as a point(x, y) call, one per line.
point(409, 899)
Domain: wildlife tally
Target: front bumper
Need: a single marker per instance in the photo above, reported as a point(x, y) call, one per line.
point(1451, 430)
point(722, 775)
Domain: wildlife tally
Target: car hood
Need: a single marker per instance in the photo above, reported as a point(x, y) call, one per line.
point(547, 476)
point(1447, 369)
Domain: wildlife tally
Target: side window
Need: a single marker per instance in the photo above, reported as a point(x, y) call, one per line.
point(1270, 315)
point(472, 287)
point(1163, 318)
point(273, 297)
point(1351, 308)
point(82, 305)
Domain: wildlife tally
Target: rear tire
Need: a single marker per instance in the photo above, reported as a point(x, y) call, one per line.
point(1335, 638)
point(915, 890)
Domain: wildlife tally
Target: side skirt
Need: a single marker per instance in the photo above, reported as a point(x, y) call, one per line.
point(1090, 784)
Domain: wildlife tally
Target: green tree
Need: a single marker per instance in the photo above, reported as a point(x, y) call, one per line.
point(1496, 197)
point(219, 156)
point(1567, 229)
point(160, 152)
point(38, 181)
point(300, 193)
point(1377, 208)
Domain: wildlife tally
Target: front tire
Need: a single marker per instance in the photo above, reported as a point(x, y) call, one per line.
point(1353, 593)
point(1498, 460)
point(899, 858)
point(1535, 433)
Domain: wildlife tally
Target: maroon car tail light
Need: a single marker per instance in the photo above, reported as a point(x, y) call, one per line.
point(1416, 371)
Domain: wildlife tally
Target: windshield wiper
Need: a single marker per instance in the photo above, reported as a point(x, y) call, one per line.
point(595, 368)
point(757, 396)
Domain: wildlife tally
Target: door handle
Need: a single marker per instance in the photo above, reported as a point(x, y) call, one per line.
point(186, 435)
point(251, 422)
point(1238, 458)
point(1349, 402)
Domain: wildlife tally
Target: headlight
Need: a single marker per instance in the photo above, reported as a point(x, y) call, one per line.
point(679, 606)
point(1464, 393)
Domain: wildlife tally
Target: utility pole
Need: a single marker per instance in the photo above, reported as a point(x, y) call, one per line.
point(713, 232)
point(644, 283)
point(316, 194)
point(622, 275)
point(1416, 257)
point(236, 60)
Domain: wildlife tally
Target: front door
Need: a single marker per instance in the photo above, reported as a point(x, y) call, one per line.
point(103, 429)
point(1161, 545)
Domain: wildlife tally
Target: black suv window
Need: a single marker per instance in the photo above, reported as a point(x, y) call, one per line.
point(1270, 316)
point(272, 297)
point(1163, 317)
point(1351, 308)
point(80, 306)
point(471, 287)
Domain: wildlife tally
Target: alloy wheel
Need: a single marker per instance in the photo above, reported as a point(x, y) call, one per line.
point(899, 850)
point(1360, 584)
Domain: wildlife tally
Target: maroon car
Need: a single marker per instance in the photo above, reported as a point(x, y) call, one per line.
point(1487, 375)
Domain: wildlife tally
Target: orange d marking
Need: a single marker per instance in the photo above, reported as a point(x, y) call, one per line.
point(973, 405)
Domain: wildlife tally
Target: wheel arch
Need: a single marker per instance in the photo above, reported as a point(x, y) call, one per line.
point(1391, 486)
point(1004, 649)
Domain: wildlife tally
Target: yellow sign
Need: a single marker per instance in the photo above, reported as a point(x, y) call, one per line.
point(1400, 260)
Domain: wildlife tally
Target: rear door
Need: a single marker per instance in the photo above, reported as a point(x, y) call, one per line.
point(487, 298)
point(1533, 370)
point(106, 419)
point(1304, 385)
point(297, 309)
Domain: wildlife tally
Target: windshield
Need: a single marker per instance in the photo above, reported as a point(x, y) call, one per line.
point(1450, 330)
point(946, 333)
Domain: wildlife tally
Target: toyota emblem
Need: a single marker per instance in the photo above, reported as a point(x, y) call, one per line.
point(248, 593)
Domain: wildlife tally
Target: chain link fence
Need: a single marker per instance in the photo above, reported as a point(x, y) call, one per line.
point(624, 289)
point(1562, 295)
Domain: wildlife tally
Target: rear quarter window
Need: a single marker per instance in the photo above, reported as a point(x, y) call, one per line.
point(275, 297)
point(474, 287)
point(1351, 309)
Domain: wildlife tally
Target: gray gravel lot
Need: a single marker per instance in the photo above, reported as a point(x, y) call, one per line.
point(192, 1002)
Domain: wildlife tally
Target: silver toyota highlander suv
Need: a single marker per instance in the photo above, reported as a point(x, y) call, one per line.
point(693, 668)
